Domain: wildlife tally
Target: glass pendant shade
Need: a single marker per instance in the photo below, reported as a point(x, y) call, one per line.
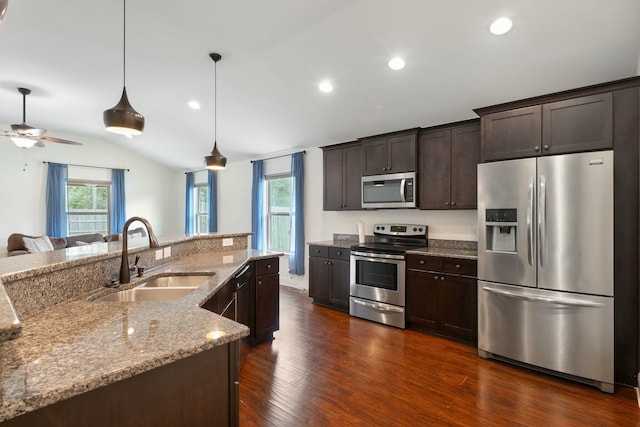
point(215, 161)
point(24, 142)
point(122, 118)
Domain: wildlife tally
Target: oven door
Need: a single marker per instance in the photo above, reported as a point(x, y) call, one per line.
point(378, 277)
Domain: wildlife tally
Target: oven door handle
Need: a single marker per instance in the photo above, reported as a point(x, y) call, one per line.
point(375, 257)
point(379, 307)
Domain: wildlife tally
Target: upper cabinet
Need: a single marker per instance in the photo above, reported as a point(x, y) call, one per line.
point(393, 153)
point(342, 177)
point(448, 158)
point(567, 125)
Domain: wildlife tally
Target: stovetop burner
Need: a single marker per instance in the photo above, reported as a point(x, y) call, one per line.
point(395, 239)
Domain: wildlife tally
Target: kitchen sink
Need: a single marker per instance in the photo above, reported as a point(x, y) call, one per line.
point(175, 282)
point(147, 294)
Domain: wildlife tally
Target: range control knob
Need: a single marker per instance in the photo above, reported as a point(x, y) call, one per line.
point(420, 230)
point(383, 228)
point(415, 229)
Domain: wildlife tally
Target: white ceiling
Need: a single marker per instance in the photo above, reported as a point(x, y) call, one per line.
point(274, 54)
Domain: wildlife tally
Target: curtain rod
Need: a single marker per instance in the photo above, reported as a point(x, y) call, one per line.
point(86, 166)
point(283, 155)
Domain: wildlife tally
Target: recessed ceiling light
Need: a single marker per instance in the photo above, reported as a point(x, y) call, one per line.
point(194, 104)
point(325, 86)
point(396, 63)
point(500, 26)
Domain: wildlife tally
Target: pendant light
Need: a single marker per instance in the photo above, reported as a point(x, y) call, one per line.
point(122, 118)
point(215, 160)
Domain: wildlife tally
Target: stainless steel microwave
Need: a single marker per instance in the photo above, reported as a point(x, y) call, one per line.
point(396, 190)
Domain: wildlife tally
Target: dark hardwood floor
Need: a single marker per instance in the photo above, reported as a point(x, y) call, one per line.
point(325, 368)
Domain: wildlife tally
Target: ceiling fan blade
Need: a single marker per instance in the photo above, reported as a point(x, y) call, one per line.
point(24, 129)
point(58, 140)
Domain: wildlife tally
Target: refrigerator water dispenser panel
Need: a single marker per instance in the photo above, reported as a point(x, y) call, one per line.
point(501, 229)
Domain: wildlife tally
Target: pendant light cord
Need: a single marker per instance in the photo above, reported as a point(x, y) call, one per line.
point(215, 101)
point(124, 45)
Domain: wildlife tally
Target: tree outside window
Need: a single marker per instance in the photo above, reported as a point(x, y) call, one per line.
point(278, 200)
point(88, 207)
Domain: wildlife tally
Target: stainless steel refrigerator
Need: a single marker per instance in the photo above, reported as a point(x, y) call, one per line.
point(545, 264)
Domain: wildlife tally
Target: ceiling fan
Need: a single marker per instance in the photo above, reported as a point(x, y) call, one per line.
point(25, 136)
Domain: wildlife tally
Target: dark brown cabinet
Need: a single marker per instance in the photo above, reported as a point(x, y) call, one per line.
point(448, 159)
point(267, 299)
point(393, 153)
point(565, 126)
point(329, 276)
point(342, 177)
point(441, 295)
point(252, 298)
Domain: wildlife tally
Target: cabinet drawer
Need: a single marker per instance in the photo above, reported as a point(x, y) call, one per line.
point(339, 253)
point(465, 267)
point(319, 251)
point(267, 266)
point(423, 262)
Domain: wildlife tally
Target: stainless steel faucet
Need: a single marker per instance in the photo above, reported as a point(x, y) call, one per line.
point(125, 273)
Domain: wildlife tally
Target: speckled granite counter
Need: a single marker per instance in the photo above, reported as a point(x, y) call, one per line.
point(446, 252)
point(80, 345)
point(444, 248)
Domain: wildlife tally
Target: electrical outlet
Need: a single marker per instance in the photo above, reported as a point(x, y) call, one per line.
point(227, 259)
point(167, 252)
point(158, 254)
point(227, 242)
point(474, 233)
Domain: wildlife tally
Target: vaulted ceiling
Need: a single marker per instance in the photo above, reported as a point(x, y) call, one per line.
point(274, 55)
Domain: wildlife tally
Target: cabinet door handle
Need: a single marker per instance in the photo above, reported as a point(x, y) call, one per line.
point(441, 277)
point(453, 203)
point(421, 262)
point(339, 252)
point(384, 169)
point(435, 277)
point(446, 203)
point(546, 147)
point(259, 282)
point(458, 266)
point(268, 266)
point(536, 148)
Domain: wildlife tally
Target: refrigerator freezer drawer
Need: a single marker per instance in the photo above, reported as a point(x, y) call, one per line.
point(567, 333)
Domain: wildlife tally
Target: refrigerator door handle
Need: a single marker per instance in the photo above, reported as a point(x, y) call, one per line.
point(530, 222)
point(559, 301)
point(542, 220)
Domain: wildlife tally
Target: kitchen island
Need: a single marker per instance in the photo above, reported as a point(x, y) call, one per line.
point(110, 362)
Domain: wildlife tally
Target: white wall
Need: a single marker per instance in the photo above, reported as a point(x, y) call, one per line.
point(234, 206)
point(152, 191)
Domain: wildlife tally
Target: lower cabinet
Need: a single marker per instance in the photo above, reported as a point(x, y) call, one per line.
point(329, 276)
point(441, 295)
point(267, 300)
point(252, 298)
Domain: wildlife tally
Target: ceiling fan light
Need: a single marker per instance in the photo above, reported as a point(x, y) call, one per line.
point(3, 8)
point(122, 118)
point(215, 161)
point(24, 142)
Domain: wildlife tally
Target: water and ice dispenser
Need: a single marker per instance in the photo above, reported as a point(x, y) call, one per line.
point(502, 226)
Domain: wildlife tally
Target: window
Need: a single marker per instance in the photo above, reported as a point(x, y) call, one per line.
point(202, 208)
point(88, 207)
point(278, 202)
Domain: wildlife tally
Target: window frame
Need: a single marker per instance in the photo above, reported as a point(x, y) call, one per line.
point(268, 214)
point(70, 213)
point(197, 214)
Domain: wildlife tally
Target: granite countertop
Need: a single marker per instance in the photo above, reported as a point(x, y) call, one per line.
point(446, 250)
point(80, 345)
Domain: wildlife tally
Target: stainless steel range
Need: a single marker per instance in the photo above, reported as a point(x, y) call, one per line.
point(377, 285)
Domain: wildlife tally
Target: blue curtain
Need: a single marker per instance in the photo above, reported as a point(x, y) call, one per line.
point(212, 184)
point(189, 226)
point(257, 195)
point(57, 200)
point(296, 253)
point(118, 201)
